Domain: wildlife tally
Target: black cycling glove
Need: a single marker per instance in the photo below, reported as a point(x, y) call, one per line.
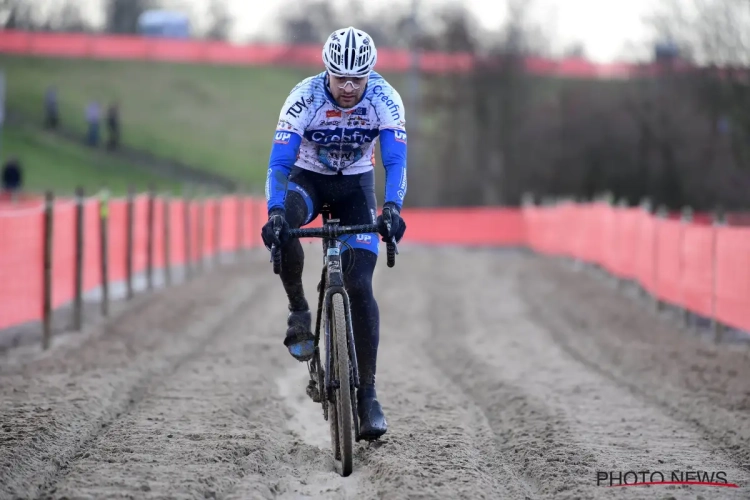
point(398, 226)
point(276, 220)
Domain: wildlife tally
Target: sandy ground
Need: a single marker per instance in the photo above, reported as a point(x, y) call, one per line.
point(502, 375)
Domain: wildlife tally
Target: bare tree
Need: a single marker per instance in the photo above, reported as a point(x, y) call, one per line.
point(17, 14)
point(220, 21)
point(122, 15)
point(311, 22)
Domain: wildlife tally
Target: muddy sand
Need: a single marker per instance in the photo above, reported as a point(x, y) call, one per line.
point(503, 375)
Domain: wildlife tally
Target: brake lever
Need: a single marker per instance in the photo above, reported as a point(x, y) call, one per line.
point(275, 250)
point(387, 219)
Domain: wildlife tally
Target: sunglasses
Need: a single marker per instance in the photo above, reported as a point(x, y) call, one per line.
point(345, 84)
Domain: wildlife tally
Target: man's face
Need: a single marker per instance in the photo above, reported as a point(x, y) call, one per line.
point(347, 91)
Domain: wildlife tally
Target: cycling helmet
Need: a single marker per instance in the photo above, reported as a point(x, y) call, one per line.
point(349, 52)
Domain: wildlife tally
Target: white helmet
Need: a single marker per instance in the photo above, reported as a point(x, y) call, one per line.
point(349, 52)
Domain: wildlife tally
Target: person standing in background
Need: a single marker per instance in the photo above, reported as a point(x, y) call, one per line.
point(93, 117)
point(51, 112)
point(113, 124)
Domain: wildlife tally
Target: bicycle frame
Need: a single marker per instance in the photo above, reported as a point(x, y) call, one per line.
point(331, 283)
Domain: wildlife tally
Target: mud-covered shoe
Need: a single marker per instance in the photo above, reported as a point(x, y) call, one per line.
point(372, 423)
point(299, 339)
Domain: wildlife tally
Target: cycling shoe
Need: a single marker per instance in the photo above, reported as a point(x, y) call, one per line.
point(299, 339)
point(372, 423)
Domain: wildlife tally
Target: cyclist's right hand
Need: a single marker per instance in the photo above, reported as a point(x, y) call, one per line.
point(276, 230)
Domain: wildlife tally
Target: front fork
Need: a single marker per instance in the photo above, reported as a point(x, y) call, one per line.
point(316, 382)
point(329, 342)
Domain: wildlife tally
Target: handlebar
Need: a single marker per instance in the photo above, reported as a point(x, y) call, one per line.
point(333, 232)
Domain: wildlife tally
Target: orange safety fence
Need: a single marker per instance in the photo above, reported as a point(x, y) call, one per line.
point(92, 256)
point(646, 252)
point(732, 265)
point(64, 252)
point(21, 271)
point(628, 242)
point(140, 234)
point(697, 270)
point(158, 243)
point(668, 261)
point(695, 265)
point(464, 226)
point(178, 228)
point(208, 226)
point(115, 47)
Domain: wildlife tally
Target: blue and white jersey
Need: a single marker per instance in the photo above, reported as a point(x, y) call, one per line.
point(316, 134)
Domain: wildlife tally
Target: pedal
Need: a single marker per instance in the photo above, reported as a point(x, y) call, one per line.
point(312, 391)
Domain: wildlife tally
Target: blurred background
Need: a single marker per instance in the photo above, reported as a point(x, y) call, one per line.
point(554, 97)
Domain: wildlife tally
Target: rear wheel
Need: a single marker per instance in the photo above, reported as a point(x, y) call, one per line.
point(340, 413)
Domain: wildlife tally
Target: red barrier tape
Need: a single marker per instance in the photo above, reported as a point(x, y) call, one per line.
point(703, 268)
point(207, 52)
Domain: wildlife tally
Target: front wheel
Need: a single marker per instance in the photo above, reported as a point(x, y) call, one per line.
point(341, 417)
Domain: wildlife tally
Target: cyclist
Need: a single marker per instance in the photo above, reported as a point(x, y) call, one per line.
point(324, 152)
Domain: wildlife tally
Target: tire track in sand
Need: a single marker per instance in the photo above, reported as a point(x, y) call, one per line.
point(56, 405)
point(439, 444)
point(215, 427)
point(481, 402)
point(559, 420)
point(703, 384)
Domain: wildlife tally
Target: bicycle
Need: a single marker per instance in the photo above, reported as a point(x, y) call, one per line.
point(340, 402)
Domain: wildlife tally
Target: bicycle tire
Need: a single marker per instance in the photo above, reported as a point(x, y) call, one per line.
point(333, 422)
point(343, 417)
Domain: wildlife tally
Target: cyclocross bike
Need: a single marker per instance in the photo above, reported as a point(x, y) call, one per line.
point(334, 383)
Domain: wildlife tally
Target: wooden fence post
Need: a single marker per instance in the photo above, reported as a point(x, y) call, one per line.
point(717, 327)
point(661, 215)
point(129, 223)
point(200, 230)
point(167, 242)
point(104, 249)
point(49, 201)
point(687, 218)
point(150, 239)
point(621, 207)
point(187, 199)
point(646, 206)
point(217, 230)
point(78, 294)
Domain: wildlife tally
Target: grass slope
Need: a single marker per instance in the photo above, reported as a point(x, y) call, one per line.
point(53, 163)
point(217, 118)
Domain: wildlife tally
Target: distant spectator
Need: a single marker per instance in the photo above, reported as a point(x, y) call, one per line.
point(12, 177)
point(113, 124)
point(93, 118)
point(51, 111)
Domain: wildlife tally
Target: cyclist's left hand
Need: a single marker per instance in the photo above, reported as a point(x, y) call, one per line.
point(276, 219)
point(398, 226)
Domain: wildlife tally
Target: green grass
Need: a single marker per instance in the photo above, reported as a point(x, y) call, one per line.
point(213, 117)
point(218, 118)
point(52, 163)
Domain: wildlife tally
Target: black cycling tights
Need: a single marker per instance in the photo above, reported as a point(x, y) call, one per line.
point(352, 198)
point(364, 307)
